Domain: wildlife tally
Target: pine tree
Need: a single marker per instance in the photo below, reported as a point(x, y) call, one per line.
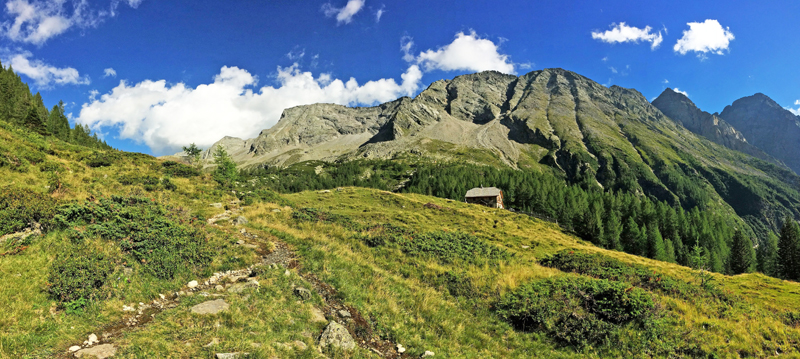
point(768, 255)
point(788, 250)
point(630, 236)
point(613, 230)
point(669, 248)
point(225, 173)
point(655, 244)
point(743, 257)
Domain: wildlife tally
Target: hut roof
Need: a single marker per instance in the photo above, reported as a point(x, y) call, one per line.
point(483, 192)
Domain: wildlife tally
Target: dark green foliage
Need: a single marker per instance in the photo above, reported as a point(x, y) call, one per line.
point(577, 310)
point(77, 274)
point(452, 247)
point(193, 152)
point(789, 250)
point(458, 284)
point(168, 185)
point(176, 169)
point(263, 195)
point(380, 174)
point(603, 267)
point(768, 256)
point(225, 173)
point(150, 183)
point(162, 241)
point(101, 159)
point(743, 256)
point(20, 207)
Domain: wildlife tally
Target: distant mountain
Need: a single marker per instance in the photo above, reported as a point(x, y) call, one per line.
point(548, 120)
point(679, 108)
point(768, 126)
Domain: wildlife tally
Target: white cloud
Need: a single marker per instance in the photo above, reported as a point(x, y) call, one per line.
point(296, 54)
point(795, 111)
point(166, 117)
point(35, 21)
point(665, 81)
point(406, 44)
point(468, 52)
point(109, 72)
point(681, 92)
point(704, 37)
point(379, 13)
point(613, 70)
point(624, 33)
point(44, 75)
point(797, 102)
point(344, 14)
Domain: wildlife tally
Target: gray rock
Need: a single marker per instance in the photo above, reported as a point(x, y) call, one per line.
point(236, 355)
point(336, 335)
point(211, 307)
point(216, 205)
point(276, 210)
point(427, 354)
point(102, 351)
point(303, 293)
point(317, 316)
point(344, 314)
point(241, 287)
point(240, 221)
point(300, 345)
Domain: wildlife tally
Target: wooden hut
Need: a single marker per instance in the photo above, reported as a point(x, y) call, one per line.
point(486, 196)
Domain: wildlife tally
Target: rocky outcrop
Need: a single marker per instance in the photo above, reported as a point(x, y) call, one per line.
point(336, 335)
point(767, 126)
point(682, 110)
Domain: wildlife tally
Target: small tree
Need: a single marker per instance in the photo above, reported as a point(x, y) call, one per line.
point(698, 259)
point(743, 257)
point(788, 244)
point(193, 152)
point(225, 173)
point(768, 256)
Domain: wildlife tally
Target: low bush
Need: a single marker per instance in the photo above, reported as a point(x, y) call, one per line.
point(20, 207)
point(603, 267)
point(315, 215)
point(161, 241)
point(51, 166)
point(459, 284)
point(101, 159)
point(78, 275)
point(263, 195)
point(176, 169)
point(450, 247)
point(578, 311)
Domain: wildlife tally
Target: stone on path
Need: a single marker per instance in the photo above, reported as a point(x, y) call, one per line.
point(192, 284)
point(240, 221)
point(336, 335)
point(303, 293)
point(211, 307)
point(74, 348)
point(231, 355)
point(240, 287)
point(100, 352)
point(317, 316)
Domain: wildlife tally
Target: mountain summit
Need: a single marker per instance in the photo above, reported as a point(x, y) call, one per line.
point(679, 108)
point(768, 126)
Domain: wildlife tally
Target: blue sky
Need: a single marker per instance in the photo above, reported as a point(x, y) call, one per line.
point(151, 76)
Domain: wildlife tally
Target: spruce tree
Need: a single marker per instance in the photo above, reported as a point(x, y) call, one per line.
point(613, 230)
point(655, 244)
point(630, 236)
point(743, 257)
point(768, 255)
point(788, 250)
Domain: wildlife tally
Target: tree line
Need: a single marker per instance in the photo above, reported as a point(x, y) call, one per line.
point(20, 107)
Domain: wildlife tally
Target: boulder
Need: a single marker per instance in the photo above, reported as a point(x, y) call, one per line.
point(336, 335)
point(317, 316)
point(240, 287)
point(211, 307)
point(100, 352)
point(240, 221)
point(236, 355)
point(216, 205)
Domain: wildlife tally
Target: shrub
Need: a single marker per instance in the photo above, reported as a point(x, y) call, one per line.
point(600, 266)
point(78, 274)
point(19, 207)
point(263, 195)
point(163, 243)
point(315, 215)
point(450, 247)
point(176, 169)
point(101, 159)
point(458, 284)
point(168, 185)
point(576, 310)
point(50, 166)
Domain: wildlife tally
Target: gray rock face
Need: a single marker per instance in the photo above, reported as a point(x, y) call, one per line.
point(232, 355)
point(211, 307)
point(679, 108)
point(102, 351)
point(767, 126)
point(336, 335)
point(240, 221)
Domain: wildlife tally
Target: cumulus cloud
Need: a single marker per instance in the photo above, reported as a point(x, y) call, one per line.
point(468, 52)
point(35, 22)
point(44, 75)
point(166, 117)
point(344, 14)
point(109, 72)
point(704, 37)
point(795, 111)
point(623, 33)
point(681, 92)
